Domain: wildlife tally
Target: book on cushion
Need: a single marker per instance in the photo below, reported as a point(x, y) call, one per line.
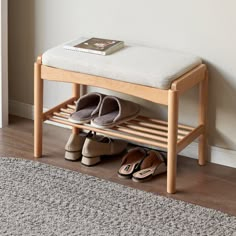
point(96, 45)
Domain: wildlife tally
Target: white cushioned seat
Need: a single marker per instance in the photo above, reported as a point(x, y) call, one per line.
point(154, 67)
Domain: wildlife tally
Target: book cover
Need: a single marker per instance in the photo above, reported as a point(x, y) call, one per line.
point(97, 46)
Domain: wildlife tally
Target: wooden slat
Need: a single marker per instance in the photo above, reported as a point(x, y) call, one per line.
point(157, 127)
point(190, 79)
point(111, 133)
point(68, 111)
point(59, 114)
point(181, 126)
point(142, 129)
point(133, 129)
point(148, 130)
point(141, 134)
point(190, 138)
point(149, 93)
point(71, 106)
point(57, 108)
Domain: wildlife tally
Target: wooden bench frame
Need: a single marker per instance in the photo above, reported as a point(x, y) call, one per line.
point(174, 144)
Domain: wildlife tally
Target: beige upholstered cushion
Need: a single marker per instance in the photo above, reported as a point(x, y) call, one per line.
point(154, 67)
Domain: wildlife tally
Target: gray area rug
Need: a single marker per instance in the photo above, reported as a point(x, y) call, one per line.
point(38, 199)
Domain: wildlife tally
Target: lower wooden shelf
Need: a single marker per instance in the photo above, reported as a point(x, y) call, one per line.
point(142, 129)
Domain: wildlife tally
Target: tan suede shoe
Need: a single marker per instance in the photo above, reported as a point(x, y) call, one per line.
point(73, 147)
point(97, 146)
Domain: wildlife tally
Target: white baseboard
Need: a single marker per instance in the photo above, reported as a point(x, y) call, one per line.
point(21, 109)
point(217, 155)
point(27, 111)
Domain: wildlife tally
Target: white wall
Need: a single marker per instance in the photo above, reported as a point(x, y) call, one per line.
point(3, 65)
point(202, 27)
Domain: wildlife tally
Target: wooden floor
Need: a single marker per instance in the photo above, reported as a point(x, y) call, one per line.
point(212, 186)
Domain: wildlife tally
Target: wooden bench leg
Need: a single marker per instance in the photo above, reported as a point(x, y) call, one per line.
point(203, 97)
point(173, 105)
point(75, 93)
point(38, 110)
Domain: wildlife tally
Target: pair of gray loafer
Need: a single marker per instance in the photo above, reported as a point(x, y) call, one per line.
point(91, 147)
point(103, 111)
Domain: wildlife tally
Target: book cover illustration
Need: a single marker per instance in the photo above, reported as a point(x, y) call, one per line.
point(98, 44)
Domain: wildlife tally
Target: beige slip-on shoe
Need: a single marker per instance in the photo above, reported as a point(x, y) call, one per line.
point(73, 147)
point(97, 146)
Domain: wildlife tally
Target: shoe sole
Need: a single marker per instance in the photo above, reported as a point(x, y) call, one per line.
point(124, 176)
point(90, 161)
point(114, 124)
point(72, 156)
point(142, 180)
point(79, 122)
point(162, 171)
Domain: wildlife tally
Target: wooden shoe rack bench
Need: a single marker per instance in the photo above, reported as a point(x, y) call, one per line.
point(168, 135)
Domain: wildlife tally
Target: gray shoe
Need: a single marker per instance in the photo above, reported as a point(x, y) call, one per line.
point(114, 111)
point(73, 147)
point(87, 108)
point(97, 146)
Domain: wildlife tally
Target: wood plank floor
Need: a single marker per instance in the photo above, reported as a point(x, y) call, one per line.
point(212, 186)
